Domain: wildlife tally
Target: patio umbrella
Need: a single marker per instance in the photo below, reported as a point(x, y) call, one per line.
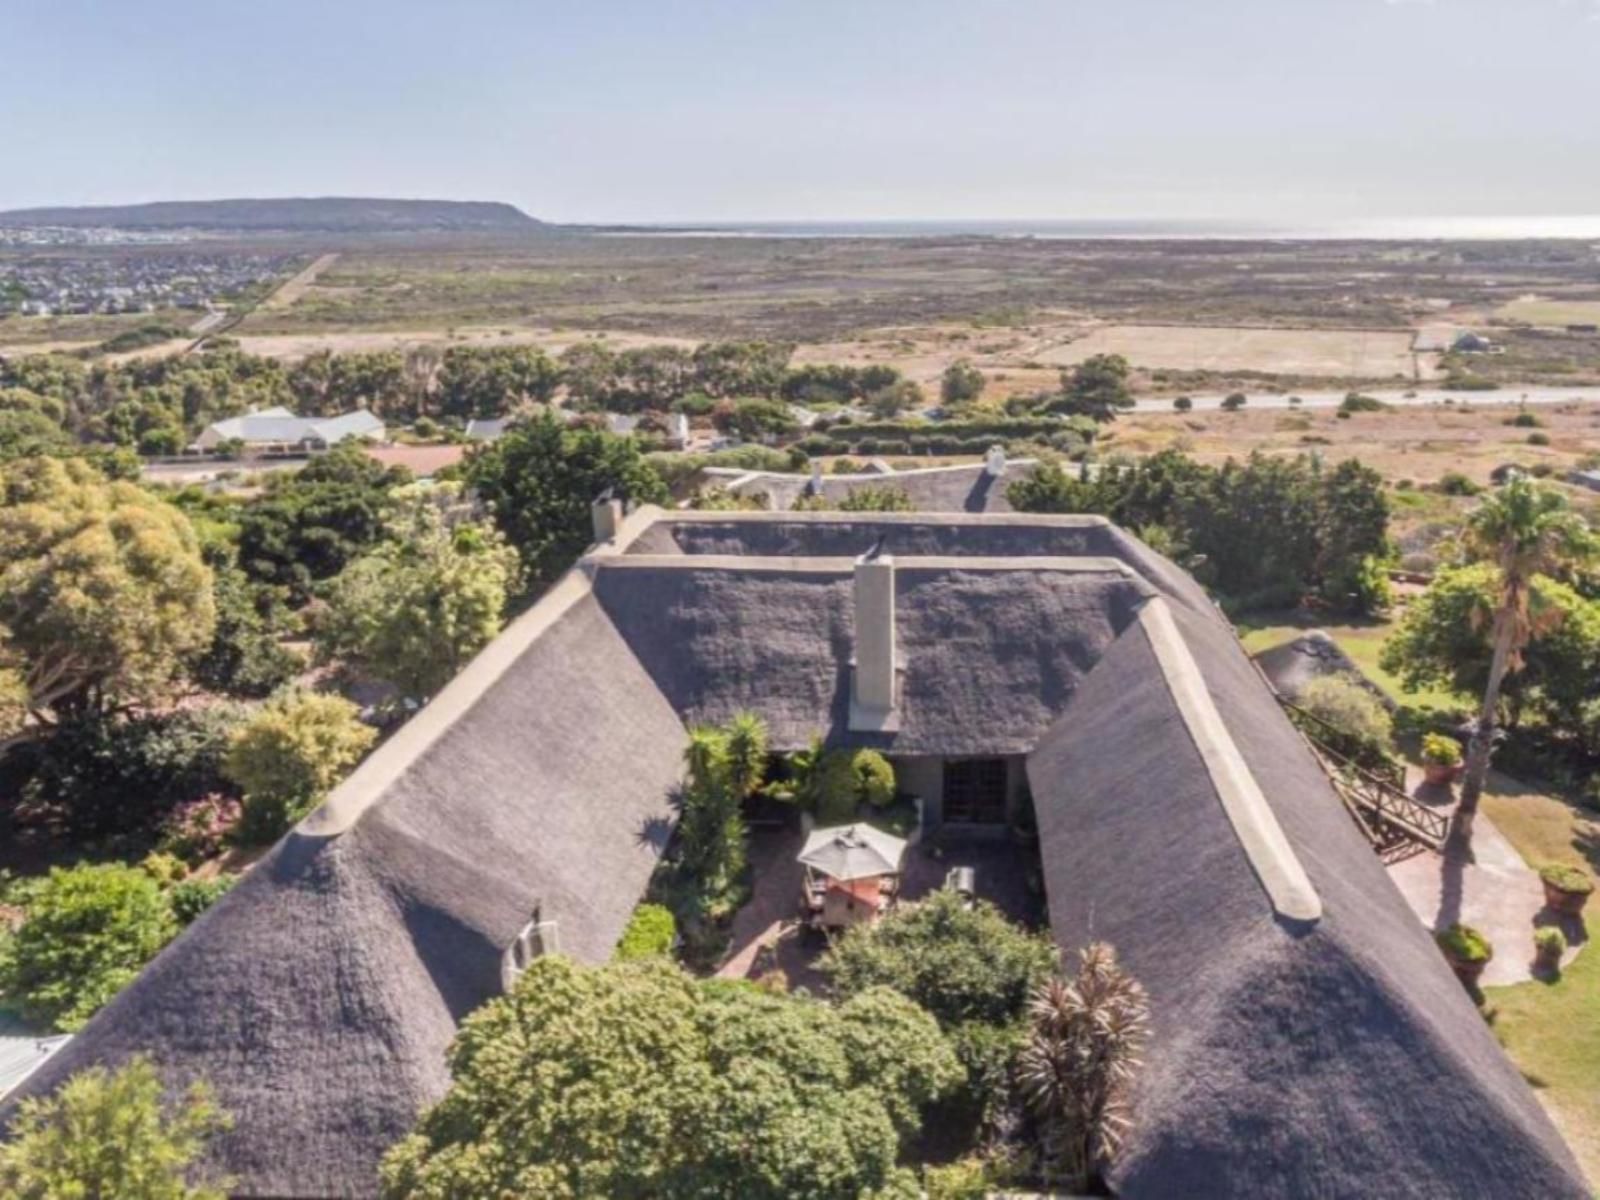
point(853, 852)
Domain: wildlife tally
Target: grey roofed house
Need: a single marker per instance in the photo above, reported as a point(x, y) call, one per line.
point(278, 427)
point(1308, 1038)
point(969, 487)
point(486, 429)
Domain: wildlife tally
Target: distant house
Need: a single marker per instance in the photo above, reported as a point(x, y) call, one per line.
point(279, 429)
point(486, 429)
point(1472, 343)
point(1586, 479)
point(965, 487)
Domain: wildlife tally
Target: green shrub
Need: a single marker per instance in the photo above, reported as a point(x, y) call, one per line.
point(85, 932)
point(961, 964)
point(965, 1179)
point(1567, 879)
point(197, 829)
point(650, 932)
point(1234, 401)
point(118, 1134)
point(836, 788)
point(1454, 483)
point(1538, 439)
point(288, 755)
point(1349, 706)
point(191, 897)
point(1355, 402)
point(1440, 750)
point(1550, 942)
point(1464, 943)
point(1524, 420)
point(108, 777)
point(874, 778)
point(1183, 404)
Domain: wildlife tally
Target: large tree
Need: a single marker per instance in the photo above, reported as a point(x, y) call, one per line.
point(413, 612)
point(104, 597)
point(1096, 388)
point(541, 479)
point(1525, 530)
point(637, 1081)
point(113, 1135)
point(289, 754)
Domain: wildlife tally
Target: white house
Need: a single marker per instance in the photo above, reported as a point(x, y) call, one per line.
point(279, 429)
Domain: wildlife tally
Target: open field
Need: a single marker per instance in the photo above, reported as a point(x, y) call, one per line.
point(297, 286)
point(1539, 311)
point(1336, 352)
point(1415, 442)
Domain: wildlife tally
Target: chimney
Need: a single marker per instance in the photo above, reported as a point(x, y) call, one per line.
point(607, 514)
point(873, 678)
point(994, 462)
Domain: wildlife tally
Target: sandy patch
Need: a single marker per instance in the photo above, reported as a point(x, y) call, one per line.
point(1336, 352)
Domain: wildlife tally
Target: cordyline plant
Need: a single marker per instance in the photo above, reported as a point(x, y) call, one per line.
point(1075, 1069)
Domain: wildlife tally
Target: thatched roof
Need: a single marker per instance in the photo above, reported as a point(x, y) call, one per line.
point(1308, 1037)
point(1338, 1057)
point(968, 487)
point(1312, 655)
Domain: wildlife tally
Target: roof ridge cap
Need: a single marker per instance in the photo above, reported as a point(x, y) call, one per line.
point(1266, 846)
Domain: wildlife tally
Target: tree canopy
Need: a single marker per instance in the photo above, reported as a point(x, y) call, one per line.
point(111, 1135)
point(416, 609)
point(86, 931)
point(104, 597)
point(636, 1080)
point(541, 479)
point(289, 754)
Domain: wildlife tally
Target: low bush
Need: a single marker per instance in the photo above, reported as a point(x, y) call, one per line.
point(1464, 944)
point(1234, 401)
point(1538, 439)
point(107, 777)
point(1454, 483)
point(288, 755)
point(1567, 879)
point(191, 897)
point(197, 829)
point(1524, 420)
point(85, 932)
point(649, 933)
point(1348, 706)
point(1549, 942)
point(1440, 750)
point(1355, 402)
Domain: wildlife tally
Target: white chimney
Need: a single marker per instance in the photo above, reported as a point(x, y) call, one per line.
point(873, 679)
point(607, 514)
point(994, 462)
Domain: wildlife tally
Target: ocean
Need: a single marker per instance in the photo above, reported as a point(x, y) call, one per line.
point(1391, 229)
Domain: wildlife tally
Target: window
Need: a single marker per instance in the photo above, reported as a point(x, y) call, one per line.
point(975, 790)
point(537, 937)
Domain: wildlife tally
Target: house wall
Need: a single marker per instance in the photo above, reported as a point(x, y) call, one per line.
point(923, 775)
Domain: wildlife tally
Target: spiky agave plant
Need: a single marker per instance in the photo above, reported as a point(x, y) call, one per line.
point(1080, 1057)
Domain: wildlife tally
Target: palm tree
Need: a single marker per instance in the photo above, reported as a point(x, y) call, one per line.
point(1080, 1056)
point(1526, 530)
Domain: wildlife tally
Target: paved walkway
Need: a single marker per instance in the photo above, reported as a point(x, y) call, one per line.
point(1496, 893)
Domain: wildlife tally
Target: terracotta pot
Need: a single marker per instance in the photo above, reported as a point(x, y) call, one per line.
point(1568, 903)
point(1468, 972)
point(1441, 774)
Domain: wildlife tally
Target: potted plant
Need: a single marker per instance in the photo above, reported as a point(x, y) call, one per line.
point(1441, 758)
point(1467, 951)
point(1566, 889)
point(1549, 944)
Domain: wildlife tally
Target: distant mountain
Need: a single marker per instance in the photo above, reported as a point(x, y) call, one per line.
point(330, 214)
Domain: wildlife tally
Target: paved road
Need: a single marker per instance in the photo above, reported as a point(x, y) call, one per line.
point(1512, 394)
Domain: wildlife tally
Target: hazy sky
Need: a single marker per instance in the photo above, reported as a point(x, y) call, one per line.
point(618, 110)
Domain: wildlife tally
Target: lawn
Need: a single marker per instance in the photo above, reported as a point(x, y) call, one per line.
point(1362, 641)
point(1552, 1030)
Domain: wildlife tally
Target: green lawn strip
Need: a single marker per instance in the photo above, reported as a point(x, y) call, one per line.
point(1552, 1034)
